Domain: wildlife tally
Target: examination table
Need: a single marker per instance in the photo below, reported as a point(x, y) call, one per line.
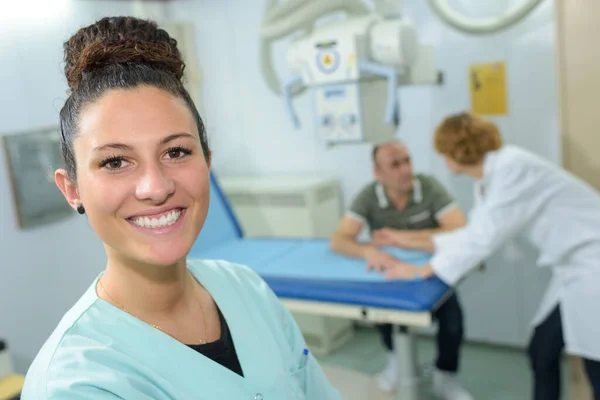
point(309, 278)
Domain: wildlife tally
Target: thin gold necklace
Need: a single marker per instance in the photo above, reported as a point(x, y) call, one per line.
point(153, 325)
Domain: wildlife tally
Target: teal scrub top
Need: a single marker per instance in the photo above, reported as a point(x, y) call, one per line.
point(100, 352)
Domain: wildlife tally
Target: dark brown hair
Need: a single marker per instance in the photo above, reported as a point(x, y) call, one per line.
point(466, 138)
point(119, 53)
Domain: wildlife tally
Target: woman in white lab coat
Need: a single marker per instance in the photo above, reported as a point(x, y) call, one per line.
point(519, 193)
point(154, 325)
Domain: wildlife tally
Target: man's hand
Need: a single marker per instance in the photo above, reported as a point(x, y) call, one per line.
point(382, 237)
point(378, 260)
point(391, 237)
point(404, 271)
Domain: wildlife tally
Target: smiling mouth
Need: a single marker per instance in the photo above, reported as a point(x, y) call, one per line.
point(158, 221)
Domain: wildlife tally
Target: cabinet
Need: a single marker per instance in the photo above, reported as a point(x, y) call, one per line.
point(285, 206)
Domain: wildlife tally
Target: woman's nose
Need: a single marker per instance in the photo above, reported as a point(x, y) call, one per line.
point(155, 185)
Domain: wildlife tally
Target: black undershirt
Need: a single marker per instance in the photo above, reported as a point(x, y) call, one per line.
point(222, 350)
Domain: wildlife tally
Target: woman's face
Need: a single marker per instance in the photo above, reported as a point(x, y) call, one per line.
point(141, 175)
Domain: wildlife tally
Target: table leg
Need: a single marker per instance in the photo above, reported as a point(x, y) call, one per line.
point(406, 352)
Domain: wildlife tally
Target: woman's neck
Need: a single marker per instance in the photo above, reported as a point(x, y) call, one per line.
point(474, 171)
point(145, 290)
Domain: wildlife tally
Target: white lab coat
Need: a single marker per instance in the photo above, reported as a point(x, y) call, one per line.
point(522, 194)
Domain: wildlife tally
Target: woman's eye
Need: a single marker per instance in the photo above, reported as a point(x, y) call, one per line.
point(114, 163)
point(175, 153)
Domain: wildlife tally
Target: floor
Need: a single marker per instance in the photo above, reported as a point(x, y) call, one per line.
point(489, 373)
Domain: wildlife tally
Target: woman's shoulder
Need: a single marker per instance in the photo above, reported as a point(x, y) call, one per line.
point(65, 349)
point(511, 156)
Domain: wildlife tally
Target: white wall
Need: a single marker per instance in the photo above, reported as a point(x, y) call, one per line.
point(250, 134)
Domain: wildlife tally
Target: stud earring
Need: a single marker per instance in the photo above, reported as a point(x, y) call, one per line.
point(80, 209)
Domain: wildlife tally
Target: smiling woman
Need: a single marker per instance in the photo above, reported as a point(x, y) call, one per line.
point(154, 324)
point(135, 164)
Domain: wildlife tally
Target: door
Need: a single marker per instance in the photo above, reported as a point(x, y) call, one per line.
point(579, 83)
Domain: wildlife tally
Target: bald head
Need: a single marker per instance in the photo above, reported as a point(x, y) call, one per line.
point(393, 146)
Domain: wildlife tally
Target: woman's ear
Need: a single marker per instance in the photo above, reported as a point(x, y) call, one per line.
point(68, 189)
point(209, 159)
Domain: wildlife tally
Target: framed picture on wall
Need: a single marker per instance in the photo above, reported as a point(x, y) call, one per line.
point(32, 157)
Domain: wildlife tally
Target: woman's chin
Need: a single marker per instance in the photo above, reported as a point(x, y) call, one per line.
point(165, 256)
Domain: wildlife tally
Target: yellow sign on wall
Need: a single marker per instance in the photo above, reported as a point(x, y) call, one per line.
point(488, 88)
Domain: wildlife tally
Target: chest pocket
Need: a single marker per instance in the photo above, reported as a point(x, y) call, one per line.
point(422, 220)
point(309, 382)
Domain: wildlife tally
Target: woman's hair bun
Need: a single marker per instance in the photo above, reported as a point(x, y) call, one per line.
point(120, 40)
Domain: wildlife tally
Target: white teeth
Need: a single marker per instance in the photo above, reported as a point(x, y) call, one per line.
point(161, 222)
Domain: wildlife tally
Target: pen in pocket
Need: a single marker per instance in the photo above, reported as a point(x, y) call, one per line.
point(304, 358)
point(303, 363)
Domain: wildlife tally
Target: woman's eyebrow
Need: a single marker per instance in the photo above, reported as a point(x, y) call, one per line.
point(176, 136)
point(117, 146)
point(126, 147)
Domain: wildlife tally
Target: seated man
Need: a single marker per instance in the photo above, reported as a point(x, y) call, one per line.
point(404, 210)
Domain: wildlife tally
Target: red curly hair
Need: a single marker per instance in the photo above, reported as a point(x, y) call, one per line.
point(466, 138)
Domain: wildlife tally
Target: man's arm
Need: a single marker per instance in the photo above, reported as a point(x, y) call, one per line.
point(344, 240)
point(421, 239)
point(447, 213)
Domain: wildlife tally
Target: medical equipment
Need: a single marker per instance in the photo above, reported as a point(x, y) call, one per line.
point(355, 65)
point(309, 278)
point(512, 16)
